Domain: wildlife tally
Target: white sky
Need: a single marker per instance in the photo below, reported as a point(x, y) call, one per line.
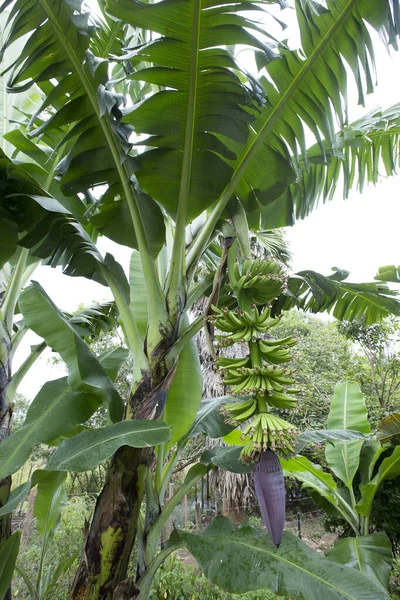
point(359, 234)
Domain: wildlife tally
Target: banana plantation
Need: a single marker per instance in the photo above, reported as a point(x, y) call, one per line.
point(188, 132)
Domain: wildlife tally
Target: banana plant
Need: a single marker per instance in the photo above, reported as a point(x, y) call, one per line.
point(17, 266)
point(201, 135)
point(356, 473)
point(51, 497)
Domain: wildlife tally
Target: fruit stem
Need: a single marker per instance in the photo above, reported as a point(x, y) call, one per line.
point(255, 354)
point(261, 404)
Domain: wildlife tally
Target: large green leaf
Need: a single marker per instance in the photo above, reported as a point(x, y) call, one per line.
point(316, 436)
point(370, 554)
point(226, 458)
point(60, 239)
point(388, 469)
point(111, 361)
point(351, 160)
point(312, 476)
point(17, 496)
point(8, 557)
point(50, 499)
point(244, 559)
point(55, 410)
point(209, 419)
point(79, 120)
point(85, 372)
point(23, 213)
point(370, 452)
point(184, 395)
point(202, 99)
point(347, 411)
point(89, 448)
point(307, 88)
point(316, 293)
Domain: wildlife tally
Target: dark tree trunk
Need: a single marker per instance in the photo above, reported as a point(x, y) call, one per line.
point(113, 530)
point(102, 574)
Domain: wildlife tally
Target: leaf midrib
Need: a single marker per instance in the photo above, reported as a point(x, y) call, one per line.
point(286, 97)
point(152, 281)
point(358, 557)
point(294, 565)
point(191, 112)
point(104, 441)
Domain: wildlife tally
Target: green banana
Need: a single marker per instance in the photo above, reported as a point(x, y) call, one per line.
point(256, 283)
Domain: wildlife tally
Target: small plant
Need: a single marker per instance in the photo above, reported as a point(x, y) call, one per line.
point(356, 463)
point(44, 568)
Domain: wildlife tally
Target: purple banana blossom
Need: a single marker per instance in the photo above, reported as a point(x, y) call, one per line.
point(270, 490)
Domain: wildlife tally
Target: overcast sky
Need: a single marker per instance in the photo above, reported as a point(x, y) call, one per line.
point(359, 234)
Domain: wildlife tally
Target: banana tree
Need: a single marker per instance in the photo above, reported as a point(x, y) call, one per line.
point(358, 465)
point(218, 140)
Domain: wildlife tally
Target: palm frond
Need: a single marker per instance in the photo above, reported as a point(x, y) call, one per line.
point(313, 292)
point(81, 112)
point(273, 243)
point(362, 153)
point(308, 90)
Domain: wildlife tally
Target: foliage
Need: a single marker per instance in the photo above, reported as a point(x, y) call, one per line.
point(356, 465)
point(177, 580)
point(379, 344)
point(222, 550)
point(66, 543)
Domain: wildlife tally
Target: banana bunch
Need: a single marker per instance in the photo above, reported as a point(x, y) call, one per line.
point(240, 325)
point(238, 412)
point(259, 377)
point(259, 280)
point(268, 431)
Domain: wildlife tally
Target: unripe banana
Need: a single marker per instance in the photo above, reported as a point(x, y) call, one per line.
point(233, 363)
point(286, 341)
